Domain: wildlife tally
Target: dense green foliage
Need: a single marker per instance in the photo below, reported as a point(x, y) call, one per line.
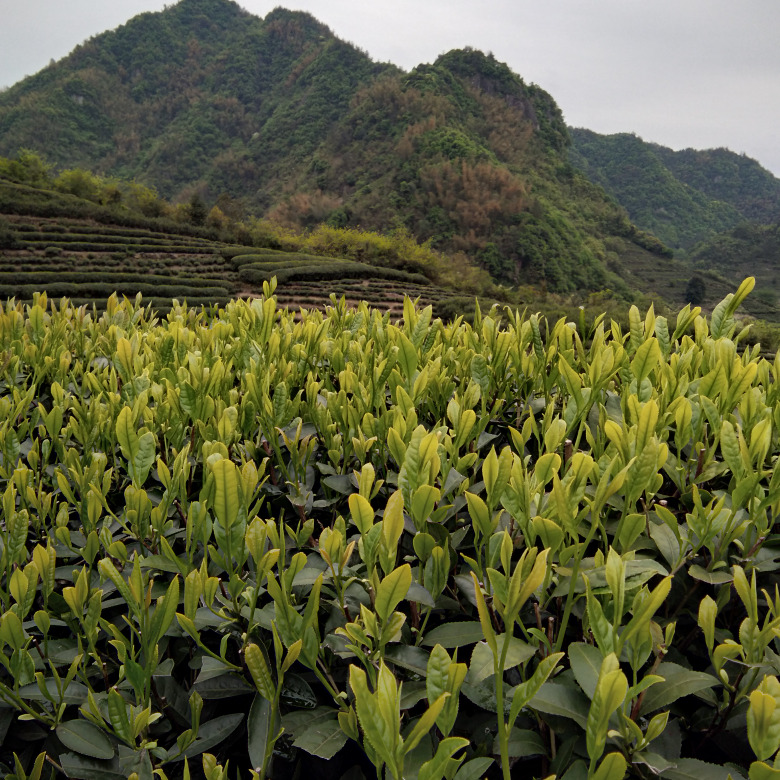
point(682, 197)
point(367, 534)
point(711, 204)
point(200, 92)
point(727, 177)
point(115, 226)
point(747, 246)
point(631, 171)
point(204, 99)
point(165, 258)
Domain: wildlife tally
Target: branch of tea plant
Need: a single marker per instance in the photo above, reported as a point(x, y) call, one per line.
point(271, 469)
point(180, 511)
point(637, 706)
point(421, 630)
point(684, 600)
point(575, 573)
point(325, 677)
point(721, 717)
point(55, 764)
point(14, 700)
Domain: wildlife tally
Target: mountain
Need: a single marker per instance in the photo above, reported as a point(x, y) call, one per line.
point(750, 249)
point(682, 197)
point(201, 92)
point(305, 128)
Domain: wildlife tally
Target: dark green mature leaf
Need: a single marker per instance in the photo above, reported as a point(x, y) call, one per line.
point(298, 693)
point(420, 594)
point(518, 652)
point(474, 769)
point(85, 738)
point(454, 479)
point(75, 693)
point(577, 771)
point(413, 691)
point(257, 727)
point(316, 731)
point(415, 659)
point(585, 662)
point(341, 483)
point(717, 577)
point(678, 682)
point(449, 635)
point(667, 542)
point(483, 695)
point(637, 573)
point(223, 687)
point(212, 733)
point(523, 743)
point(139, 762)
point(694, 769)
point(86, 768)
point(655, 763)
point(160, 563)
point(481, 664)
point(566, 700)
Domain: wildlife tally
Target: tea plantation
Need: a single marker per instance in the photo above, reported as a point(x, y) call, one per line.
point(239, 542)
point(47, 246)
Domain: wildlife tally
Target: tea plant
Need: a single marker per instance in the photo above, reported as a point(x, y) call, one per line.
point(243, 543)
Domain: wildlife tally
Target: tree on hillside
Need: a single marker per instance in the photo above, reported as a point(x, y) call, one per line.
point(7, 238)
point(197, 210)
point(27, 168)
point(695, 291)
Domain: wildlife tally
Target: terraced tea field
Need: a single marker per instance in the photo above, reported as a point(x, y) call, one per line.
point(87, 261)
point(667, 278)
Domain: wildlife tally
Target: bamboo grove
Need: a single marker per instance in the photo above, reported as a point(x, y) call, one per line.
point(239, 541)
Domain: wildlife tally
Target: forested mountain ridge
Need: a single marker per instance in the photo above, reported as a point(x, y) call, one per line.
point(303, 127)
point(682, 197)
point(202, 91)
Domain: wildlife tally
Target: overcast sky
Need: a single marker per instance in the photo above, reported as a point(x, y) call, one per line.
point(683, 73)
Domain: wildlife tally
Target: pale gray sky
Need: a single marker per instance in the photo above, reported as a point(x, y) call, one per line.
point(683, 73)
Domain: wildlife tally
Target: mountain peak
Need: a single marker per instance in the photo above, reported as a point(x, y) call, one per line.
point(489, 75)
point(474, 65)
point(299, 21)
point(214, 13)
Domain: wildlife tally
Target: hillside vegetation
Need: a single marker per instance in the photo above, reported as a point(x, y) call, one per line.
point(747, 246)
point(682, 197)
point(512, 548)
point(277, 126)
point(301, 127)
point(54, 241)
point(717, 209)
point(77, 234)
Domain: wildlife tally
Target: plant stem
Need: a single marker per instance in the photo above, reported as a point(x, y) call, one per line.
point(575, 572)
point(503, 726)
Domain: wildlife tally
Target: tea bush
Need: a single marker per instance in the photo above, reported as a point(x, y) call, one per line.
point(325, 270)
point(237, 542)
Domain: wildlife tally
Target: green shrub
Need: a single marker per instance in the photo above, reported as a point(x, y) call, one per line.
point(8, 238)
point(368, 533)
point(326, 271)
